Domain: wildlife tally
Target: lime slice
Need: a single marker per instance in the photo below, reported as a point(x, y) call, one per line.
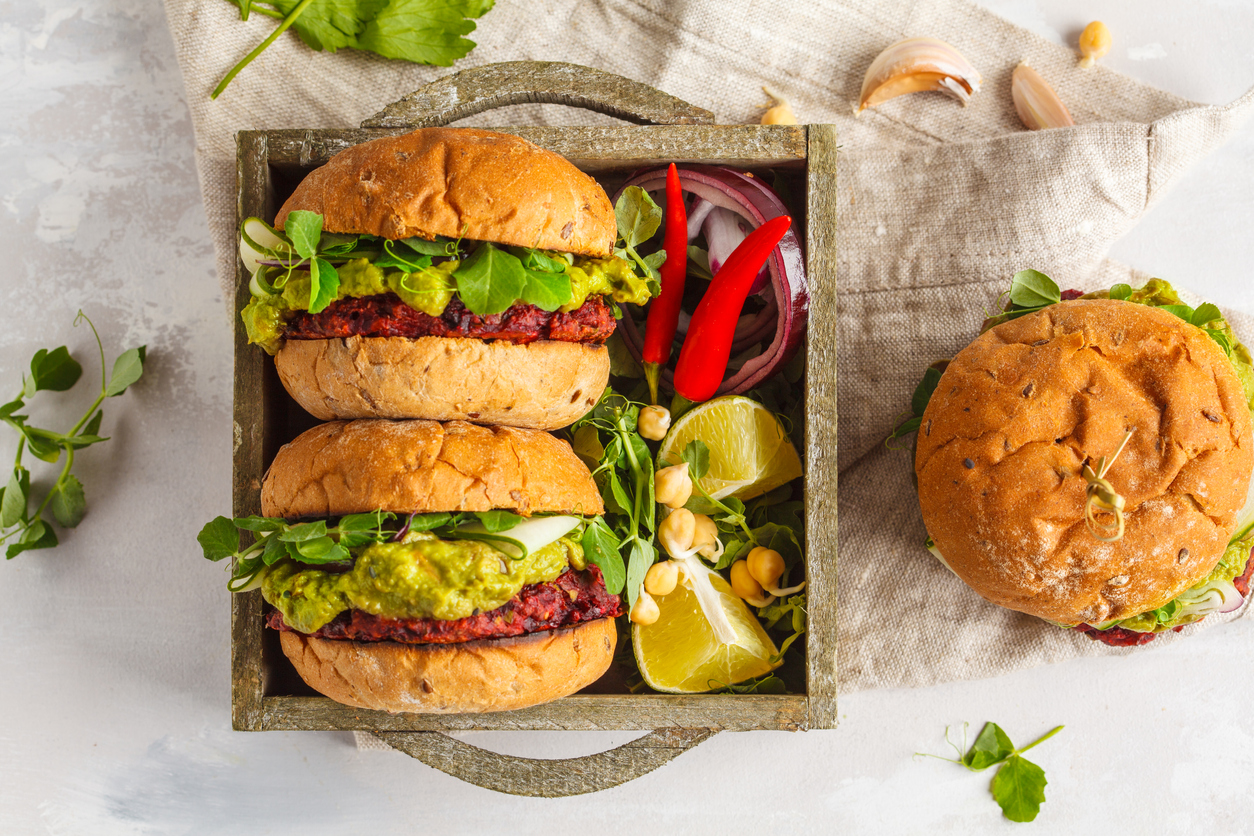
point(679, 653)
point(750, 453)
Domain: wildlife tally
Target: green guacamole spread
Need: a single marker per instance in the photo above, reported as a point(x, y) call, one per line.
point(428, 290)
point(423, 577)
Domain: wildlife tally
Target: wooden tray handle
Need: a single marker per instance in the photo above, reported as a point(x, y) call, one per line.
point(478, 89)
point(546, 778)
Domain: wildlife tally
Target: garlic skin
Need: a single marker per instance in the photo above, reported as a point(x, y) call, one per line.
point(1036, 102)
point(915, 65)
point(1095, 42)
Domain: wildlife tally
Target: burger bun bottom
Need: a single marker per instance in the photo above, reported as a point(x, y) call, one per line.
point(469, 677)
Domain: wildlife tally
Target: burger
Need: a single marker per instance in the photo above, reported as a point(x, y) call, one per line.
point(1088, 462)
point(449, 274)
point(463, 587)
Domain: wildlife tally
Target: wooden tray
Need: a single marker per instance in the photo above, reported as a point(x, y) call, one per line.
point(267, 694)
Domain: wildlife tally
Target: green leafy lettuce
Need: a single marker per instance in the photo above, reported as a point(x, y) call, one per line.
point(309, 269)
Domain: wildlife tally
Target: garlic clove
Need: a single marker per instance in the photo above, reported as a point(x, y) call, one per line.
point(916, 65)
point(1036, 102)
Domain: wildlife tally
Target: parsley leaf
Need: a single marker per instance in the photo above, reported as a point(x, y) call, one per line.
point(421, 31)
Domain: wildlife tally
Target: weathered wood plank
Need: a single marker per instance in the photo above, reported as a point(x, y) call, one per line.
point(820, 493)
point(581, 712)
point(490, 86)
point(592, 149)
point(247, 452)
point(262, 423)
point(557, 778)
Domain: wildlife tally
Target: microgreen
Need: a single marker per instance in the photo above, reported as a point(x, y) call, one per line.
point(1018, 787)
point(420, 31)
point(56, 371)
point(624, 475)
point(489, 280)
point(638, 218)
point(318, 543)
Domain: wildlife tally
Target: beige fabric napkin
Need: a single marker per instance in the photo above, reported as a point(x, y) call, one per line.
point(939, 205)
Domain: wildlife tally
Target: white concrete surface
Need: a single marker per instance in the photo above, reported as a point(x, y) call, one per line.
point(114, 681)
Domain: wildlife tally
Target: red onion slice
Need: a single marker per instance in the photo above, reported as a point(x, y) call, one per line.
point(754, 201)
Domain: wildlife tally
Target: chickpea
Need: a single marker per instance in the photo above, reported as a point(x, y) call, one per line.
point(1095, 42)
point(645, 611)
point(653, 422)
point(662, 578)
point(672, 486)
point(765, 565)
point(743, 584)
point(705, 536)
point(676, 532)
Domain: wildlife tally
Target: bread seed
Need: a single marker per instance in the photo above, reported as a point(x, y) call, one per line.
point(1027, 390)
point(1182, 556)
point(1210, 416)
point(968, 464)
point(1040, 342)
point(1118, 580)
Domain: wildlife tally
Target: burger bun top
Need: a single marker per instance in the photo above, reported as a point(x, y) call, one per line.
point(1018, 413)
point(459, 183)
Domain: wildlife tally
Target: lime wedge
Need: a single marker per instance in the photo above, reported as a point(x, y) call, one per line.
point(750, 453)
point(680, 654)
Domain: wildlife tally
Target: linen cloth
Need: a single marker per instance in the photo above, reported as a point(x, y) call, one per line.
point(938, 206)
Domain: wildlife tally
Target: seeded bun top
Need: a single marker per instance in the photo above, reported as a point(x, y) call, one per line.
point(1018, 413)
point(349, 467)
point(460, 183)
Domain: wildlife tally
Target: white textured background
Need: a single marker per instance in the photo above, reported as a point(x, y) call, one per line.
point(114, 689)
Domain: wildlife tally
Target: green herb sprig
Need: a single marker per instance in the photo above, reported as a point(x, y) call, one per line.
point(421, 31)
point(623, 470)
point(1018, 787)
point(56, 371)
point(638, 218)
point(318, 543)
point(489, 280)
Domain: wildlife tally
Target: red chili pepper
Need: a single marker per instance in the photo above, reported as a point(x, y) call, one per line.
point(703, 358)
point(664, 312)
